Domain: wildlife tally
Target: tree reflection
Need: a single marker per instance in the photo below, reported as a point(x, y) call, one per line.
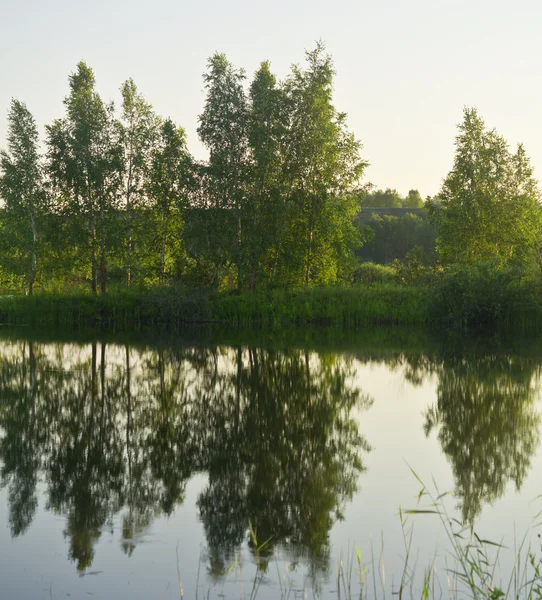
point(20, 386)
point(487, 424)
point(85, 464)
point(292, 454)
point(114, 431)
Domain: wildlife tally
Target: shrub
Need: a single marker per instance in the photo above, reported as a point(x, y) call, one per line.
point(371, 274)
point(486, 294)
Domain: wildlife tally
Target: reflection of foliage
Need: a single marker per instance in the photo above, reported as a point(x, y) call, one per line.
point(293, 454)
point(487, 425)
point(85, 466)
point(19, 390)
point(116, 430)
point(485, 416)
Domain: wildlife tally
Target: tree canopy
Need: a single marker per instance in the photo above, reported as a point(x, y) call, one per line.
point(117, 198)
point(274, 203)
point(389, 198)
point(489, 204)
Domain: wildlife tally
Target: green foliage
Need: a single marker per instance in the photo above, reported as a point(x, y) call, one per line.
point(413, 200)
point(324, 168)
point(412, 270)
point(21, 188)
point(391, 199)
point(489, 205)
point(374, 274)
point(487, 294)
point(167, 187)
point(139, 132)
point(382, 199)
point(176, 305)
point(333, 306)
point(85, 163)
point(392, 238)
point(275, 205)
point(264, 223)
point(223, 129)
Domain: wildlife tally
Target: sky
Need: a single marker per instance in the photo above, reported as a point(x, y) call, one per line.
point(405, 68)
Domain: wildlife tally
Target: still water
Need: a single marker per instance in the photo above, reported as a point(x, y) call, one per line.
point(137, 467)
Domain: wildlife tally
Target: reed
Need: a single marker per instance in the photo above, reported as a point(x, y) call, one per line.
point(469, 298)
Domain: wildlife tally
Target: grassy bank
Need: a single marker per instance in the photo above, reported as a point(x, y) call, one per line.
point(467, 298)
point(390, 304)
point(170, 307)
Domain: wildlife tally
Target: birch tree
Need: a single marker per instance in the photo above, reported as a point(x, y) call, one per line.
point(324, 169)
point(168, 188)
point(85, 166)
point(265, 208)
point(223, 130)
point(139, 133)
point(21, 188)
point(489, 204)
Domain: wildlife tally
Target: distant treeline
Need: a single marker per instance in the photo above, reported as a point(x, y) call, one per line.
point(392, 199)
point(390, 237)
point(116, 196)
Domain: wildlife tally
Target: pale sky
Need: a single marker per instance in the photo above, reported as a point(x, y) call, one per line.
point(405, 68)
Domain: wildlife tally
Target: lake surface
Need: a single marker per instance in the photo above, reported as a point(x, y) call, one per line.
point(137, 467)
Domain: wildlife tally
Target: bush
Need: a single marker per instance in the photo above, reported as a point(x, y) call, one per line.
point(371, 274)
point(486, 294)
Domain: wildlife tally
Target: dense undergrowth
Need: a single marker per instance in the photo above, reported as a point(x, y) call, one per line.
point(467, 298)
point(174, 307)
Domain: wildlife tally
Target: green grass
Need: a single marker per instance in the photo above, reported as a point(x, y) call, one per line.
point(119, 310)
point(361, 305)
point(175, 307)
point(473, 563)
point(465, 298)
point(469, 566)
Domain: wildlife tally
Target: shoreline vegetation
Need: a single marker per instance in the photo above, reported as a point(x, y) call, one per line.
point(469, 566)
point(276, 227)
point(467, 298)
point(176, 307)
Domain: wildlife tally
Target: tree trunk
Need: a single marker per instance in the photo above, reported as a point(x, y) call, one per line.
point(33, 379)
point(163, 249)
point(238, 388)
point(103, 265)
point(162, 369)
point(308, 372)
point(94, 282)
point(102, 389)
point(129, 218)
point(93, 394)
point(33, 268)
point(129, 429)
point(276, 261)
point(130, 251)
point(239, 253)
point(309, 258)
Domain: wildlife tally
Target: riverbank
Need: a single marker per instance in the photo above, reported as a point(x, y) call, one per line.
point(175, 307)
point(464, 299)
